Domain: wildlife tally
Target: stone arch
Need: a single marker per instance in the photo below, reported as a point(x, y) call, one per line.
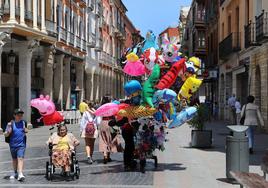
point(258, 85)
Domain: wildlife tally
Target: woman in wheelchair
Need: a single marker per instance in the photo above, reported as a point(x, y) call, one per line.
point(63, 145)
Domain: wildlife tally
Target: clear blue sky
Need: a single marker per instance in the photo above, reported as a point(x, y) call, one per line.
point(156, 15)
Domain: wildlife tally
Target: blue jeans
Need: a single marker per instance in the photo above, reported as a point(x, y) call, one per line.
point(250, 134)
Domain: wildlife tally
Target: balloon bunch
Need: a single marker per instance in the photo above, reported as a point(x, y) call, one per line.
point(169, 79)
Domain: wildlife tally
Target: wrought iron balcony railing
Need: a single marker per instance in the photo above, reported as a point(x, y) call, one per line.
point(229, 45)
point(262, 26)
point(250, 35)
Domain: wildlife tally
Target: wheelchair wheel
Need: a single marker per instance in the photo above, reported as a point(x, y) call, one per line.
point(49, 171)
point(77, 174)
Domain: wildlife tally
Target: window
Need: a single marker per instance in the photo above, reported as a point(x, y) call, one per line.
point(229, 24)
point(258, 7)
point(201, 39)
point(222, 31)
point(66, 20)
point(247, 12)
point(237, 18)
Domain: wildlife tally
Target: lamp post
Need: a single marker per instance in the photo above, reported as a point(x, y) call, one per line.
point(11, 55)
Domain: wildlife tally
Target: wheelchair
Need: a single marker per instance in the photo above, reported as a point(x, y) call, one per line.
point(50, 167)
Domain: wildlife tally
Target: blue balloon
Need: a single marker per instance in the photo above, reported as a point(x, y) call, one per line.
point(132, 86)
point(116, 102)
point(165, 95)
point(185, 115)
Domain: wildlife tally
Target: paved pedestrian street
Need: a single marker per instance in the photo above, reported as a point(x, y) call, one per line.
point(178, 166)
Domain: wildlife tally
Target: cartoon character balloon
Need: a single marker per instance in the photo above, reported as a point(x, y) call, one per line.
point(170, 50)
point(47, 109)
point(133, 91)
point(150, 41)
point(150, 58)
point(134, 66)
point(189, 87)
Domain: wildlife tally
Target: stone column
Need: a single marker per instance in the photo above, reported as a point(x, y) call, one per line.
point(1, 50)
point(22, 12)
point(43, 19)
point(12, 17)
point(67, 82)
point(35, 14)
point(80, 80)
point(58, 80)
point(48, 72)
point(25, 57)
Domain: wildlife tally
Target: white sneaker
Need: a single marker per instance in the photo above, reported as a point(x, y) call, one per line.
point(21, 177)
point(13, 176)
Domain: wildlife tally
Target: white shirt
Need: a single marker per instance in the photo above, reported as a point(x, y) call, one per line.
point(231, 101)
point(237, 107)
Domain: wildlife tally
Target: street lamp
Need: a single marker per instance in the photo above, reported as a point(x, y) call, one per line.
point(11, 55)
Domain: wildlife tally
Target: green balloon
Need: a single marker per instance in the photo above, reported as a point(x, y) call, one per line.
point(148, 89)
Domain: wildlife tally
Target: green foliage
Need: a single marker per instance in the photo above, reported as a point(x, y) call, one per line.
point(198, 121)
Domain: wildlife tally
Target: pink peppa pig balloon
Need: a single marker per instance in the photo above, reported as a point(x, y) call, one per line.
point(44, 105)
point(107, 110)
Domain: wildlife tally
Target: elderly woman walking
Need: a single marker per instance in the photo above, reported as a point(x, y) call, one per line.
point(251, 114)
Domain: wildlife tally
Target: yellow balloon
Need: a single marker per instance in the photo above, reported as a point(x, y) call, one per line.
point(189, 87)
point(137, 111)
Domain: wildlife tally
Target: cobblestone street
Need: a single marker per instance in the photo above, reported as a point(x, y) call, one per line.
point(179, 165)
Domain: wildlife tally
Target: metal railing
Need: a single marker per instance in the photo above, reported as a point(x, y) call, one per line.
point(229, 45)
point(63, 34)
point(250, 34)
point(77, 42)
point(71, 38)
point(262, 26)
point(51, 27)
point(84, 45)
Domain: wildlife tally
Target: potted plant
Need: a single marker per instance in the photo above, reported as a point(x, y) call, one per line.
point(200, 138)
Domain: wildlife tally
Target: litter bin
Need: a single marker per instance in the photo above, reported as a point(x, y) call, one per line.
point(237, 156)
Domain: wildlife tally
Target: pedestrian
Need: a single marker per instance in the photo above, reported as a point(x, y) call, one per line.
point(83, 106)
point(252, 114)
point(238, 111)
point(231, 104)
point(63, 144)
point(89, 131)
point(128, 133)
point(215, 110)
point(105, 136)
point(15, 134)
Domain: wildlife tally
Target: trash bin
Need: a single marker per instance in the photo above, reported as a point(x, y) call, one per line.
point(237, 155)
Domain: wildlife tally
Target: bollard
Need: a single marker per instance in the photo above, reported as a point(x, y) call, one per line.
point(237, 155)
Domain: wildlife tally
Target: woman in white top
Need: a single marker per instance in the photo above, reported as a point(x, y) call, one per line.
point(252, 116)
point(238, 111)
point(89, 117)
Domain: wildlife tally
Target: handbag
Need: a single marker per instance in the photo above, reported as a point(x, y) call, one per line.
point(242, 120)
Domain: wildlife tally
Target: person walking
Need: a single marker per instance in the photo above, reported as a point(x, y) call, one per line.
point(252, 114)
point(15, 134)
point(89, 131)
point(83, 106)
point(238, 111)
point(105, 136)
point(231, 104)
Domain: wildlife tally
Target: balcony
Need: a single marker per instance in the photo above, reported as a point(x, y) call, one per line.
point(107, 58)
point(63, 34)
point(78, 42)
point(71, 38)
point(91, 40)
point(262, 27)
point(84, 45)
point(229, 45)
point(99, 45)
point(199, 19)
point(250, 35)
point(51, 28)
